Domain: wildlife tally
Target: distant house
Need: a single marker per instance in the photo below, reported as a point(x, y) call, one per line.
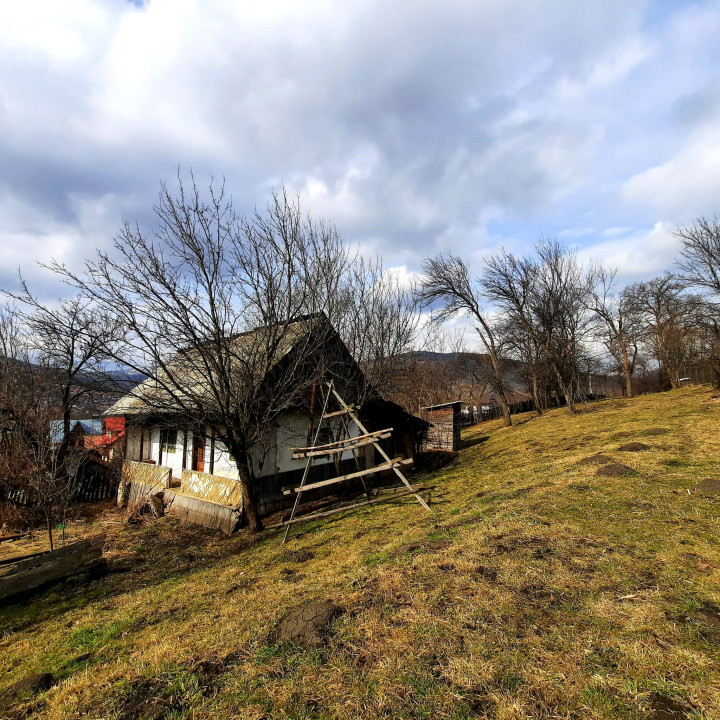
point(110, 444)
point(196, 473)
point(102, 438)
point(79, 430)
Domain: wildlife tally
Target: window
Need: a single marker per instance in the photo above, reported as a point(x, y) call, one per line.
point(168, 440)
point(324, 437)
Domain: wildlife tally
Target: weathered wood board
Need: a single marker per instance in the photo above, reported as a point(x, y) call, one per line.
point(341, 446)
point(19, 546)
point(35, 572)
point(142, 479)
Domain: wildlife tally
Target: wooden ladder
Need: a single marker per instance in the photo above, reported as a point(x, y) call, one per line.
point(338, 447)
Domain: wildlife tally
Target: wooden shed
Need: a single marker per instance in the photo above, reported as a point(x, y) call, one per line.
point(444, 431)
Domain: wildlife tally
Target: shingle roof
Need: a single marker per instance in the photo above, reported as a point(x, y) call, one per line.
point(188, 380)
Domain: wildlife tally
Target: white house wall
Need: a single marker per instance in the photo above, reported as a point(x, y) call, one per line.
point(291, 432)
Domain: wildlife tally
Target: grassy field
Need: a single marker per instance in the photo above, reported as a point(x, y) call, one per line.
point(535, 588)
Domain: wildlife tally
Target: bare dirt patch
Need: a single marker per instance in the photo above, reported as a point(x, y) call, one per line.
point(614, 469)
point(709, 487)
point(597, 459)
point(420, 546)
point(297, 556)
point(307, 625)
point(486, 573)
point(707, 616)
point(510, 543)
point(665, 708)
point(634, 447)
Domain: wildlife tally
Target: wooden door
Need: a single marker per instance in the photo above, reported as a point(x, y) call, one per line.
point(198, 453)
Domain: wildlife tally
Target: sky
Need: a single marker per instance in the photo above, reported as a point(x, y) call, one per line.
point(415, 127)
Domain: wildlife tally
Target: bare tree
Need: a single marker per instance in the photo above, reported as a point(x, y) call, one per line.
point(700, 254)
point(226, 315)
point(70, 339)
point(447, 280)
point(37, 473)
point(670, 319)
point(618, 321)
point(547, 297)
point(521, 346)
point(700, 268)
point(378, 318)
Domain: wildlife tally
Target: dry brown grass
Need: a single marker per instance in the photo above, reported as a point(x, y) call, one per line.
point(534, 589)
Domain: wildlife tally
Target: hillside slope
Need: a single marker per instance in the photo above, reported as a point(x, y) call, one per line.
point(535, 588)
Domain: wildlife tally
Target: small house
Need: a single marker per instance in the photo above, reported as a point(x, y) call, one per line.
point(79, 430)
point(196, 473)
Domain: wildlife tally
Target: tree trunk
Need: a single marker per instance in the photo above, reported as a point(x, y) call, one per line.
point(249, 500)
point(565, 388)
point(628, 383)
point(505, 410)
point(50, 535)
point(499, 386)
point(536, 395)
point(626, 372)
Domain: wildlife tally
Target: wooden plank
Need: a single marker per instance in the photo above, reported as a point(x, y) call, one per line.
point(326, 513)
point(335, 443)
point(50, 572)
point(3, 538)
point(360, 441)
point(351, 476)
point(17, 557)
point(347, 409)
point(309, 460)
point(208, 513)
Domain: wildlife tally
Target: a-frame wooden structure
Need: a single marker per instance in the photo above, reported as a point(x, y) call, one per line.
point(349, 443)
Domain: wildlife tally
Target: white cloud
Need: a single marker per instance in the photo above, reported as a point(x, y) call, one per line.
point(687, 184)
point(636, 255)
point(453, 126)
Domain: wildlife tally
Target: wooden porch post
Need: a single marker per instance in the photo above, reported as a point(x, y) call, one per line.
point(212, 451)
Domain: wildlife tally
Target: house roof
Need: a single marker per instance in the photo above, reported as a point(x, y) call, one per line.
point(97, 442)
point(187, 376)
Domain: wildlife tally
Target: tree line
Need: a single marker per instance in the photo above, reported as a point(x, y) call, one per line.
point(180, 305)
point(559, 320)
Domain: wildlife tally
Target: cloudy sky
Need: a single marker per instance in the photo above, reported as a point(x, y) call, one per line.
point(414, 126)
